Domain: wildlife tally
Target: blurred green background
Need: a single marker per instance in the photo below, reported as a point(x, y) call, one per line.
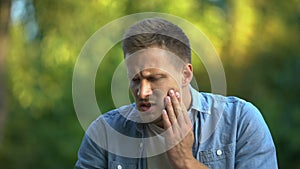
point(258, 43)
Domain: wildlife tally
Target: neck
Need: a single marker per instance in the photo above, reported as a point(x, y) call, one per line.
point(186, 97)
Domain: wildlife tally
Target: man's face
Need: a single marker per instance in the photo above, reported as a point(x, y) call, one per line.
point(152, 73)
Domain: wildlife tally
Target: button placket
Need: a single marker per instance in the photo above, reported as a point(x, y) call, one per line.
point(219, 152)
point(141, 145)
point(119, 166)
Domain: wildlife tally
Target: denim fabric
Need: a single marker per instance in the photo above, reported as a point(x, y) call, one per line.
point(229, 133)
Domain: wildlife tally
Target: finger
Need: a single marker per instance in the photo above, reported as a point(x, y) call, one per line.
point(170, 110)
point(175, 103)
point(185, 116)
point(166, 121)
point(177, 94)
point(179, 109)
point(168, 135)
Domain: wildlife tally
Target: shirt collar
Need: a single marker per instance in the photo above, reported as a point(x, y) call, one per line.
point(199, 103)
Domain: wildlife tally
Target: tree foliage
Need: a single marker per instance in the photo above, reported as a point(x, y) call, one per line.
point(258, 42)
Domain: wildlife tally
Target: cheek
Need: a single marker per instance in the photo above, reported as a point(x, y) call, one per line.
point(158, 92)
point(172, 84)
point(166, 85)
point(158, 97)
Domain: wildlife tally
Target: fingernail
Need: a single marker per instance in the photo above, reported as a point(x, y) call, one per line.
point(177, 94)
point(172, 92)
point(164, 111)
point(168, 99)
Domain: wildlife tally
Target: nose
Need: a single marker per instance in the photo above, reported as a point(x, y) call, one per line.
point(144, 90)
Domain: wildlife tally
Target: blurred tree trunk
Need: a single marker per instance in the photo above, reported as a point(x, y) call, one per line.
point(4, 24)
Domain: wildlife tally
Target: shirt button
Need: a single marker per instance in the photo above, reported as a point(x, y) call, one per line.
point(119, 166)
point(219, 152)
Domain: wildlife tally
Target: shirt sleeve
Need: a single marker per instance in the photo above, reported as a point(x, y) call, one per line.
point(254, 144)
point(90, 155)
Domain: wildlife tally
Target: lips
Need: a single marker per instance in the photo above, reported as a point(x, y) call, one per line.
point(145, 106)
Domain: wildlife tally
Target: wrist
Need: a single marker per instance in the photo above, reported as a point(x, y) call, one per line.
point(192, 163)
point(185, 162)
point(188, 162)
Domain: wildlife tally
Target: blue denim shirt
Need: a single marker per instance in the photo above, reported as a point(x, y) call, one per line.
point(229, 133)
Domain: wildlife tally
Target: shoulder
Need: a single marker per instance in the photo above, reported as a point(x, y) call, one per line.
point(233, 111)
point(243, 114)
point(210, 98)
point(229, 104)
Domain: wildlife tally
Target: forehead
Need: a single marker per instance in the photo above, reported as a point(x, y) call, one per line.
point(153, 60)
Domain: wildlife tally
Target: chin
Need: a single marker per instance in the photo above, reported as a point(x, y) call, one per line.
point(150, 117)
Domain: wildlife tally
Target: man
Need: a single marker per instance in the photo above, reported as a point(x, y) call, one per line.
point(171, 125)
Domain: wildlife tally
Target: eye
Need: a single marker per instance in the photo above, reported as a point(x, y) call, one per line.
point(151, 79)
point(135, 79)
point(154, 78)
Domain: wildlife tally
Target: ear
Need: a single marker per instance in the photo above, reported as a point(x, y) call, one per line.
point(187, 73)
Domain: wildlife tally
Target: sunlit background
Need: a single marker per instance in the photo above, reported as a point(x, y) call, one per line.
point(258, 43)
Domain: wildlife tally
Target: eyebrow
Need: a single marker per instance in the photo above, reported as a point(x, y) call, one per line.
point(151, 74)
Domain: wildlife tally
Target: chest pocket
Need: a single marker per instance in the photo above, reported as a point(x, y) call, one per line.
point(122, 165)
point(219, 157)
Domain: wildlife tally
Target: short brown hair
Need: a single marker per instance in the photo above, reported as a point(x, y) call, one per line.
point(158, 32)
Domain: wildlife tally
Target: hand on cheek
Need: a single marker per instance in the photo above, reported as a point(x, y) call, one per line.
point(179, 135)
